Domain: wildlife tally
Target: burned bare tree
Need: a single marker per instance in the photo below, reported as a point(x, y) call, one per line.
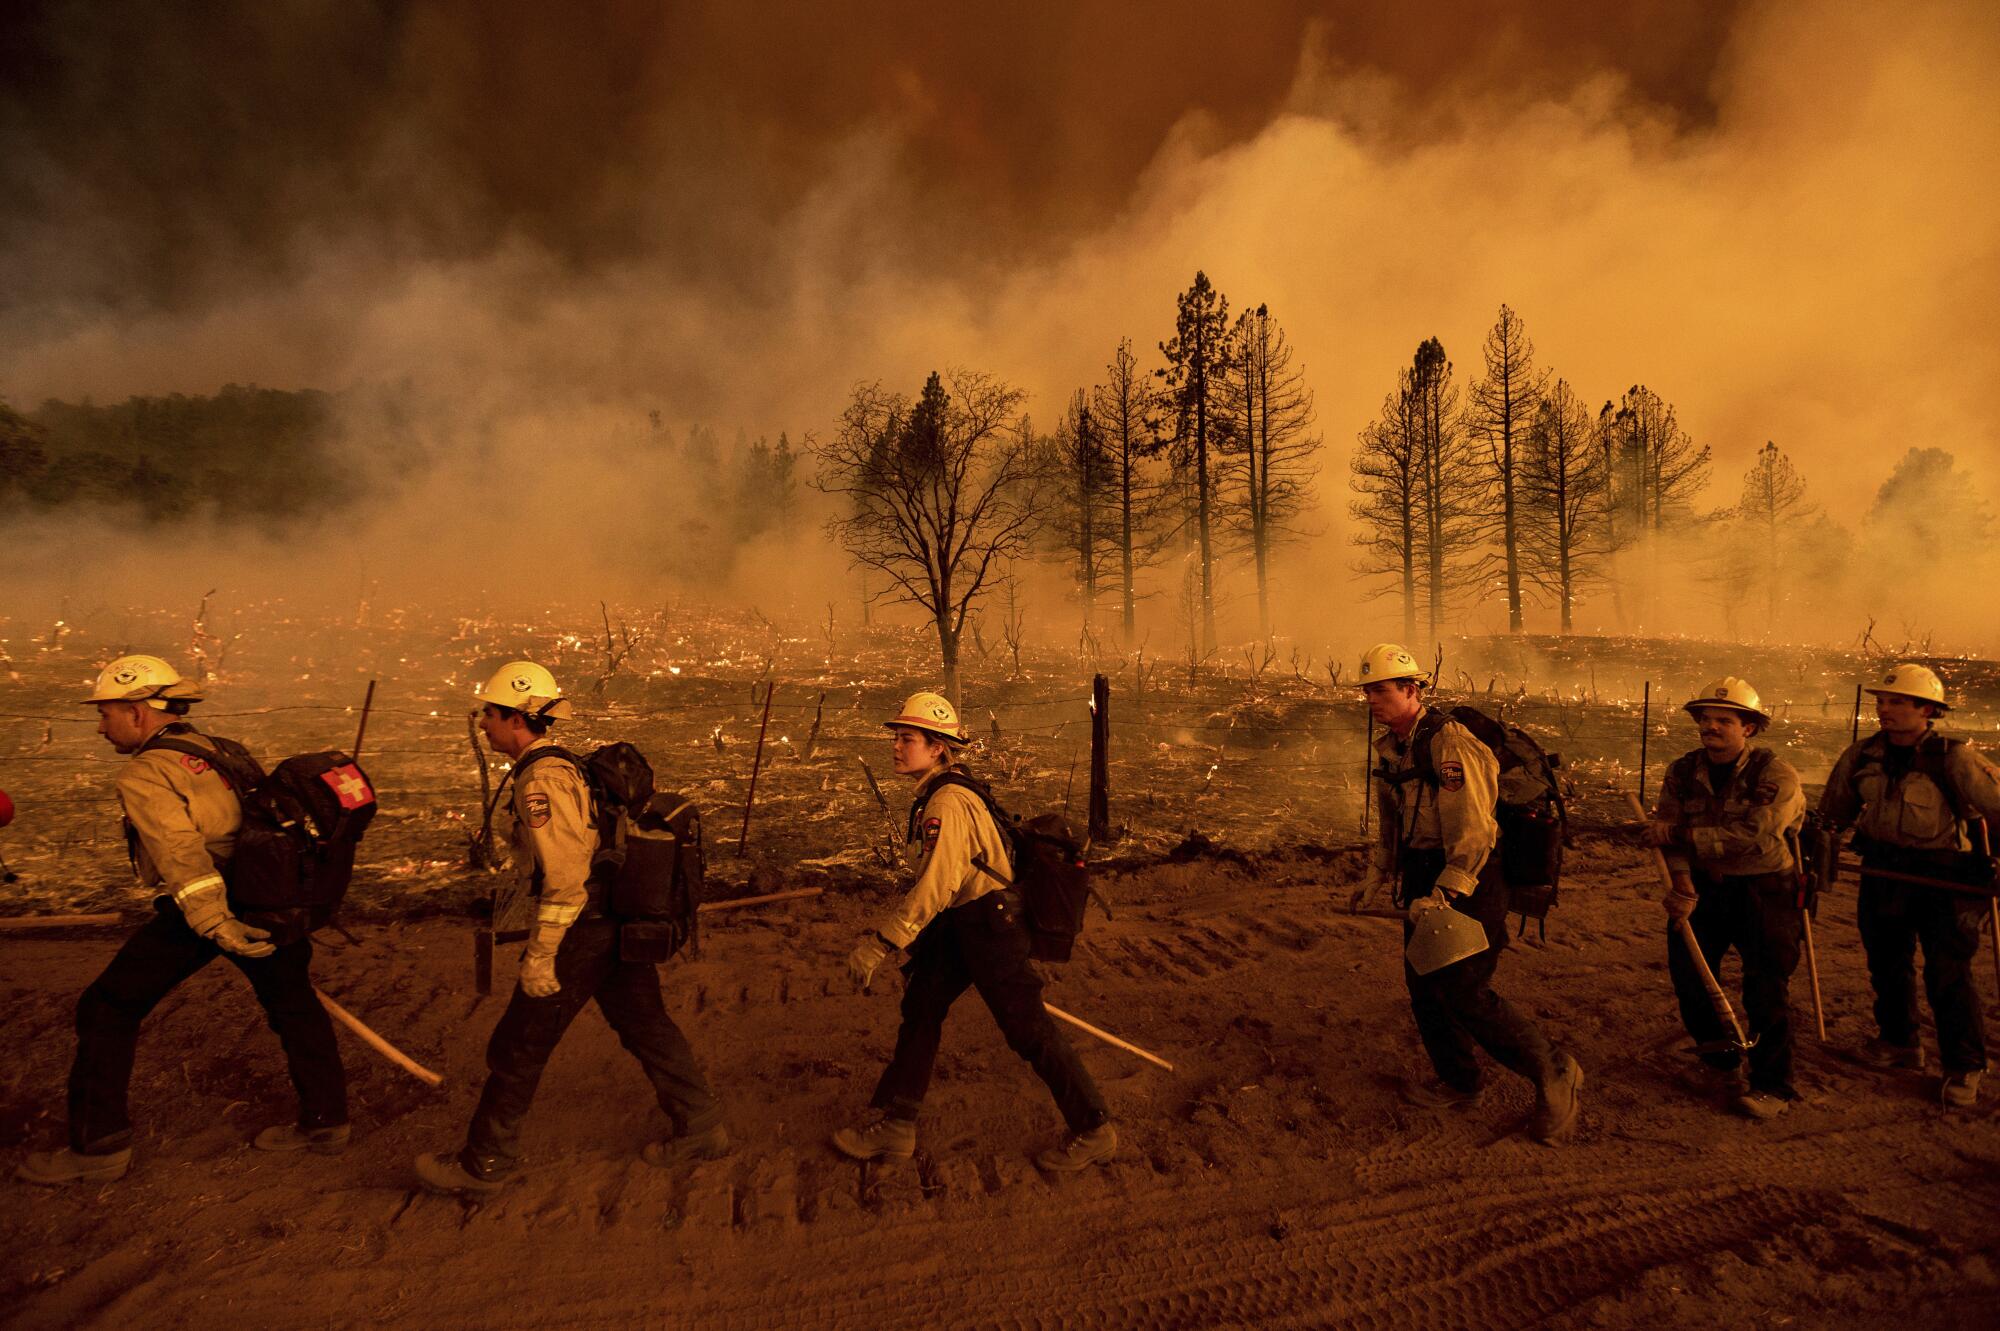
point(1195, 361)
point(1655, 468)
point(1083, 499)
point(1772, 509)
point(1386, 476)
point(1448, 496)
point(938, 490)
point(1124, 405)
point(1502, 406)
point(1268, 453)
point(1563, 492)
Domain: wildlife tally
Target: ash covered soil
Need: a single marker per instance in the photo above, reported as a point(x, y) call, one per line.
point(1274, 1178)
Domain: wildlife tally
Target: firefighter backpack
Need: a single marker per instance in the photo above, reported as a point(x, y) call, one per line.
point(302, 823)
point(649, 865)
point(1048, 869)
point(1534, 824)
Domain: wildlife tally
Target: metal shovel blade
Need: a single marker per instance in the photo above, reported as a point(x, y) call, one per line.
point(1443, 937)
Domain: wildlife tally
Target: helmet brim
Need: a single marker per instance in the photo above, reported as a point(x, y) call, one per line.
point(1727, 706)
point(912, 723)
point(1938, 703)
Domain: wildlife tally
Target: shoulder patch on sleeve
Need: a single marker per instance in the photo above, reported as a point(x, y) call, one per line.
point(931, 826)
point(535, 809)
point(1451, 774)
point(194, 764)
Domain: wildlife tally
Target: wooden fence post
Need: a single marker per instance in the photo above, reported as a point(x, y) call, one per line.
point(1645, 730)
point(1100, 759)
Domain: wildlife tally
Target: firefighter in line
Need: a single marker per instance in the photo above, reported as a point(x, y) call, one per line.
point(572, 956)
point(181, 820)
point(962, 926)
point(1728, 821)
point(1915, 797)
point(1438, 841)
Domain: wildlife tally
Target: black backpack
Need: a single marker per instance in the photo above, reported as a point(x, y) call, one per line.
point(1534, 822)
point(302, 823)
point(1048, 868)
point(649, 861)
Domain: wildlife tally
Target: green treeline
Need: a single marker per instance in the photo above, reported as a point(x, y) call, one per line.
point(245, 454)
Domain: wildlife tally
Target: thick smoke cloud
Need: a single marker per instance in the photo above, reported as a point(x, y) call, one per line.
point(1778, 216)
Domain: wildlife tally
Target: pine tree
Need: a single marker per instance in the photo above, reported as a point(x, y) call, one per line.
point(1563, 491)
point(1502, 405)
point(1268, 456)
point(1195, 360)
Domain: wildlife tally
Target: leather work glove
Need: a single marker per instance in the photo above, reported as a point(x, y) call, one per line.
point(245, 940)
point(1435, 899)
point(538, 964)
point(207, 913)
point(868, 954)
point(1659, 834)
point(1680, 899)
point(1371, 883)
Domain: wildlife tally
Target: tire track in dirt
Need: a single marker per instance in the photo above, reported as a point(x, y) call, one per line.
point(1495, 1256)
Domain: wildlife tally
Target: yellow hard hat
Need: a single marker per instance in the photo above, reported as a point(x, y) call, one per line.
point(526, 687)
point(1389, 660)
point(1734, 694)
point(145, 679)
point(1913, 681)
point(933, 714)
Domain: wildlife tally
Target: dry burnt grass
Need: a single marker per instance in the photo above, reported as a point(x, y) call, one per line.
point(1272, 1178)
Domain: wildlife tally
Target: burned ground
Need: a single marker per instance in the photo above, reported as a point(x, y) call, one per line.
point(1272, 1178)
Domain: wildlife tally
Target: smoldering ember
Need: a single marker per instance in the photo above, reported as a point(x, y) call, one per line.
point(1397, 610)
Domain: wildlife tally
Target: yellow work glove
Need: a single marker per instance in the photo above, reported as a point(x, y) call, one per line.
point(538, 963)
point(868, 954)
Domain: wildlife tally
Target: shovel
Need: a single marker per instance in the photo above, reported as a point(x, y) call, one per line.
point(1720, 1000)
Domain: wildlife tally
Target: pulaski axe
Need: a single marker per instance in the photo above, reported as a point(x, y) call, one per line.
point(1716, 997)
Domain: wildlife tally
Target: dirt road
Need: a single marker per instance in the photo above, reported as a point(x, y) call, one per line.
point(1274, 1179)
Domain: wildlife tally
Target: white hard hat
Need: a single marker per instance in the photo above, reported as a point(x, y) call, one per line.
point(1734, 694)
point(1911, 680)
point(526, 687)
point(933, 714)
point(1388, 660)
point(145, 679)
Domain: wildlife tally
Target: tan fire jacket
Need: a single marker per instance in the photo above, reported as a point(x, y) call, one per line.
point(1740, 832)
point(183, 817)
point(552, 832)
point(955, 828)
point(1455, 816)
point(1912, 812)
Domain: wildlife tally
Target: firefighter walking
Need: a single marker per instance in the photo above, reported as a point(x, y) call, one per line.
point(1437, 842)
point(181, 820)
point(572, 957)
point(963, 927)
